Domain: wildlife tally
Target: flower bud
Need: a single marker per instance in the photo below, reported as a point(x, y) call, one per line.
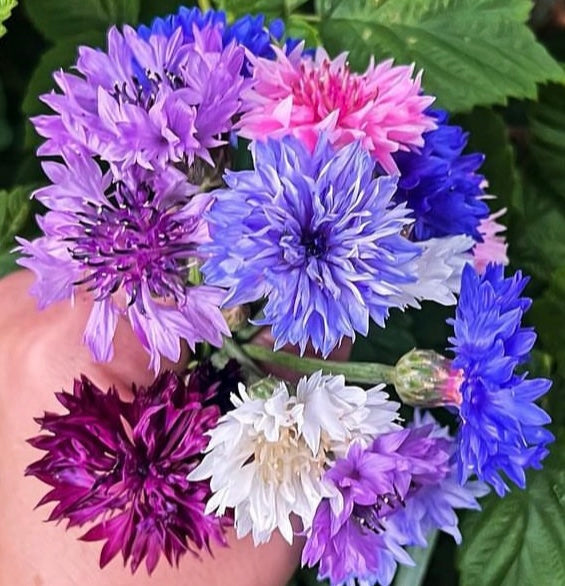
point(263, 388)
point(236, 317)
point(424, 378)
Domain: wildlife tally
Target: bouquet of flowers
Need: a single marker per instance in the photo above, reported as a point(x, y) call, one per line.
point(211, 179)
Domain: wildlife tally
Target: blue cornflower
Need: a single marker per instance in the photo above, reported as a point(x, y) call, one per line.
point(441, 185)
point(501, 426)
point(314, 233)
point(249, 31)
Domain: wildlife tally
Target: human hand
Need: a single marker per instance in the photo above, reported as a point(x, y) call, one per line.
point(41, 353)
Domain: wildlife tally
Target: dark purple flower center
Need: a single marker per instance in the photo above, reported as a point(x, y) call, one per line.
point(145, 87)
point(133, 240)
point(314, 244)
point(371, 516)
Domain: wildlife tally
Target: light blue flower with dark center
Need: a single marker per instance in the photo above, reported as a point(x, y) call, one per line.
point(317, 235)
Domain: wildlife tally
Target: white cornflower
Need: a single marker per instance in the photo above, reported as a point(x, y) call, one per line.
point(438, 270)
point(266, 459)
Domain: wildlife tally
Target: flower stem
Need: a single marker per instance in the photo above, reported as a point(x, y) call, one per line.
point(233, 350)
point(370, 373)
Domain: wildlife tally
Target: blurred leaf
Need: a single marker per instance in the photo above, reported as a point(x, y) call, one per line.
point(388, 344)
point(415, 575)
point(60, 56)
point(14, 211)
point(6, 7)
point(6, 133)
point(520, 539)
point(548, 314)
point(150, 9)
point(60, 19)
point(473, 52)
point(237, 8)
point(536, 237)
point(547, 144)
point(298, 28)
point(488, 134)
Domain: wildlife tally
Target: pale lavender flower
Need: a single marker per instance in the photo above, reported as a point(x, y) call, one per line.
point(147, 100)
point(132, 243)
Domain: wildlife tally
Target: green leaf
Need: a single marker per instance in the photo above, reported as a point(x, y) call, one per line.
point(488, 134)
point(237, 8)
point(299, 28)
point(548, 314)
point(520, 539)
point(415, 575)
point(6, 7)
point(60, 56)
point(547, 145)
point(536, 234)
point(149, 9)
point(60, 19)
point(473, 52)
point(14, 211)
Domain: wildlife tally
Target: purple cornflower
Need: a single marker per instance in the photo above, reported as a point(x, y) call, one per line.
point(501, 426)
point(149, 102)
point(441, 185)
point(132, 243)
point(316, 235)
point(349, 536)
point(123, 465)
point(433, 506)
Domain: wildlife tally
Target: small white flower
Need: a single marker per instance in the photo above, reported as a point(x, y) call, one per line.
point(438, 270)
point(266, 459)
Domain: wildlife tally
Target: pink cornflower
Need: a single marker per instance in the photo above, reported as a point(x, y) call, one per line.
point(493, 248)
point(383, 107)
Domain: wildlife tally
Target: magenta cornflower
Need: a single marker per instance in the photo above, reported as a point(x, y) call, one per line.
point(132, 243)
point(124, 465)
point(382, 108)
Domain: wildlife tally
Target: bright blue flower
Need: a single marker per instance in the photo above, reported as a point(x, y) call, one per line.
point(250, 31)
point(314, 233)
point(501, 426)
point(442, 185)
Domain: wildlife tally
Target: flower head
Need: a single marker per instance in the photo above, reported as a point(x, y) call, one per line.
point(382, 108)
point(131, 242)
point(250, 31)
point(267, 458)
point(438, 269)
point(314, 233)
point(501, 426)
point(441, 185)
point(123, 465)
point(147, 101)
point(433, 506)
point(349, 536)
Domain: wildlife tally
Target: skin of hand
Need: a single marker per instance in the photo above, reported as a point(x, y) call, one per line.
point(41, 352)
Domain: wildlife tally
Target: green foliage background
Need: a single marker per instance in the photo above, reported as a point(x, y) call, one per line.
point(497, 65)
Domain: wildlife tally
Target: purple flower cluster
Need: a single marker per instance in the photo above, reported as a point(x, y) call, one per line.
point(390, 495)
point(124, 465)
point(150, 212)
point(148, 102)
